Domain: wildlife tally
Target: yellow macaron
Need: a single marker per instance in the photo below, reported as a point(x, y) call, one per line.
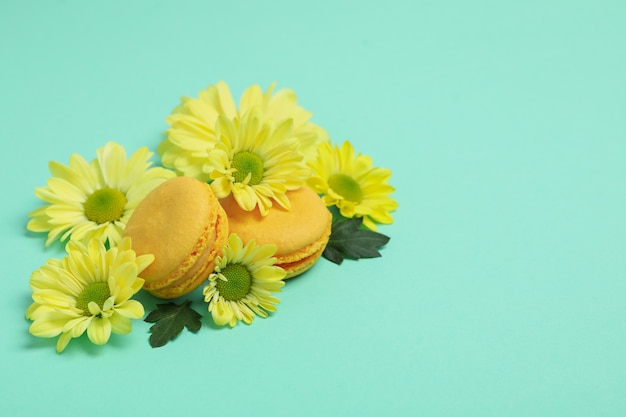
point(183, 225)
point(300, 234)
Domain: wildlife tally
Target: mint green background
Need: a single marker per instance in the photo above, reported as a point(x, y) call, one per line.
point(502, 291)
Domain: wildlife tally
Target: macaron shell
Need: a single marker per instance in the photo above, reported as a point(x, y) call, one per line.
point(181, 223)
point(300, 234)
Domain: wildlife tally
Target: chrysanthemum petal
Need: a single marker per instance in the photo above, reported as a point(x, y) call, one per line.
point(62, 342)
point(221, 313)
point(221, 187)
point(99, 331)
point(132, 309)
point(111, 160)
point(120, 324)
point(270, 274)
point(49, 324)
point(77, 326)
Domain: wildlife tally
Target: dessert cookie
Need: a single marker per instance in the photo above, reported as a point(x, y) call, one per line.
point(300, 234)
point(183, 225)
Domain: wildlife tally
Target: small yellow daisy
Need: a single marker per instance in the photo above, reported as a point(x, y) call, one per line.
point(192, 133)
point(256, 162)
point(240, 287)
point(95, 199)
point(88, 290)
point(351, 184)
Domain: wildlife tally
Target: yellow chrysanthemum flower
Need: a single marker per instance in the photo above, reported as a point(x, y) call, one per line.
point(256, 162)
point(95, 199)
point(240, 287)
point(192, 135)
point(88, 290)
point(351, 184)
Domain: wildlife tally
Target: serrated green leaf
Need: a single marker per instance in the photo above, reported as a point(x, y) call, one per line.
point(169, 320)
point(332, 254)
point(348, 239)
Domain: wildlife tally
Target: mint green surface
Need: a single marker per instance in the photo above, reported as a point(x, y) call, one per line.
point(503, 289)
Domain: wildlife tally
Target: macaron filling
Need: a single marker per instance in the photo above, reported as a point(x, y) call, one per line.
point(296, 267)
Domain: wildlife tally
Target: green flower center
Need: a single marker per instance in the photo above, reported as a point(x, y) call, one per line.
point(238, 284)
point(346, 187)
point(105, 205)
point(98, 292)
point(247, 163)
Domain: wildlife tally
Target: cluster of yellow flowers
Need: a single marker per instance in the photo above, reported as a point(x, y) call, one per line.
point(266, 147)
point(256, 151)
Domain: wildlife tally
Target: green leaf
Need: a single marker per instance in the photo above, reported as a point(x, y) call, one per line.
point(349, 240)
point(169, 320)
